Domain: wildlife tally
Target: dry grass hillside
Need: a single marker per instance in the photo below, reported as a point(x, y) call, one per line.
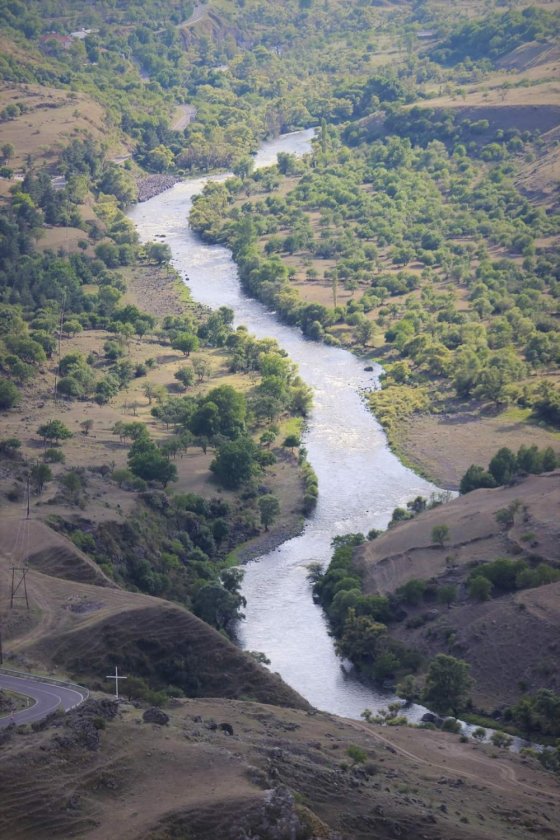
point(82, 629)
point(511, 641)
point(276, 773)
point(50, 120)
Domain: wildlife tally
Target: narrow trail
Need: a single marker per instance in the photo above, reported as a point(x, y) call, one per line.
point(506, 770)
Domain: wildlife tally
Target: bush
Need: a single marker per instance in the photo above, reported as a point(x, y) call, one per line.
point(54, 456)
point(500, 739)
point(480, 588)
point(357, 754)
point(9, 394)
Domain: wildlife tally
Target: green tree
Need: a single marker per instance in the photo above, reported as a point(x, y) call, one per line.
point(185, 342)
point(54, 431)
point(9, 394)
point(291, 442)
point(480, 588)
point(159, 253)
point(476, 477)
point(40, 474)
point(440, 533)
point(503, 466)
point(185, 375)
point(269, 508)
point(447, 594)
point(146, 461)
point(234, 462)
point(86, 426)
point(218, 605)
point(448, 685)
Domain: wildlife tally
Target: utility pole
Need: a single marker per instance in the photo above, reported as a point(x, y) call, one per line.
point(115, 677)
point(15, 586)
point(60, 326)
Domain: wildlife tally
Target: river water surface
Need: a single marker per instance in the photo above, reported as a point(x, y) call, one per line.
point(360, 480)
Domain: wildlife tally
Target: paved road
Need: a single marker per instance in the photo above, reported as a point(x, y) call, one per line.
point(44, 697)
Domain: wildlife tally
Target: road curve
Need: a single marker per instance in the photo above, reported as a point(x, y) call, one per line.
point(45, 697)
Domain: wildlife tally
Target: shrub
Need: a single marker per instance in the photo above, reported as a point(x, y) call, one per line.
point(9, 394)
point(500, 739)
point(357, 754)
point(54, 456)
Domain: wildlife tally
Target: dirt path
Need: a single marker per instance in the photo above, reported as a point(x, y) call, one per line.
point(506, 771)
point(184, 115)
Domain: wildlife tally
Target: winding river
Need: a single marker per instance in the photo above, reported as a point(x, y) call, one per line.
point(360, 480)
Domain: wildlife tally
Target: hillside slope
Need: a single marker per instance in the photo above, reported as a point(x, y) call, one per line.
point(279, 774)
point(511, 641)
point(84, 629)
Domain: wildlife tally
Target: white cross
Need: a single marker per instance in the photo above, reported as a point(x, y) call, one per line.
point(115, 677)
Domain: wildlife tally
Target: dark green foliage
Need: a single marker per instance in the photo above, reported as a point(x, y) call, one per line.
point(538, 714)
point(547, 407)
point(497, 34)
point(220, 604)
point(9, 394)
point(147, 461)
point(475, 478)
point(480, 587)
point(507, 575)
point(234, 462)
point(447, 685)
point(269, 508)
point(505, 465)
point(40, 475)
point(412, 592)
point(185, 342)
point(54, 430)
point(359, 621)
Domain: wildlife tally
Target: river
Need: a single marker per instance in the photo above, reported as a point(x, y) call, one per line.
point(360, 480)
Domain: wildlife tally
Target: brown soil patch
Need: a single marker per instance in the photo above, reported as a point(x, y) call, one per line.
point(63, 238)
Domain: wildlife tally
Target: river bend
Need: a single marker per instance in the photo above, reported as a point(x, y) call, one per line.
point(360, 480)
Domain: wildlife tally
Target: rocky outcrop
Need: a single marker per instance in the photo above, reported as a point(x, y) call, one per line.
point(278, 818)
point(154, 185)
point(154, 715)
